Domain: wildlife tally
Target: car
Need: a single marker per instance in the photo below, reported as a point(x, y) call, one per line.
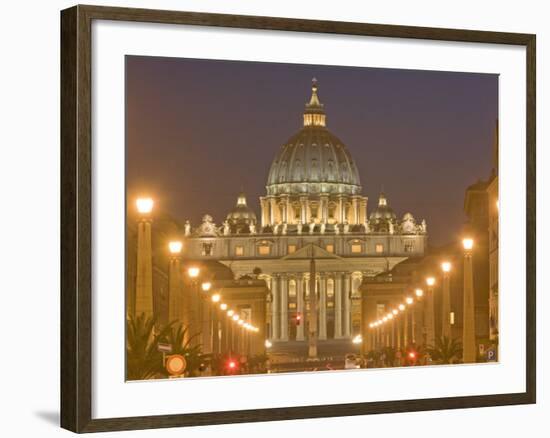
point(351, 362)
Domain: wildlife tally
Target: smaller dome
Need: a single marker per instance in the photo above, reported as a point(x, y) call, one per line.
point(241, 215)
point(383, 212)
point(408, 217)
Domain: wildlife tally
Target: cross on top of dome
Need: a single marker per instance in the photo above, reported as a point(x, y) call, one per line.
point(314, 114)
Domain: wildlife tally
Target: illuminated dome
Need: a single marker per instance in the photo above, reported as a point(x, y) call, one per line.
point(313, 160)
point(382, 216)
point(241, 215)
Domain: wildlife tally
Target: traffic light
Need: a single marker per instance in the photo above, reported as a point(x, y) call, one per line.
point(232, 366)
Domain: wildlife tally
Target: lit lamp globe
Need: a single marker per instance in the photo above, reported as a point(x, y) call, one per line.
point(419, 292)
point(430, 281)
point(468, 243)
point(230, 313)
point(409, 300)
point(401, 307)
point(206, 286)
point(223, 306)
point(175, 247)
point(193, 272)
point(446, 267)
point(395, 311)
point(235, 317)
point(216, 298)
point(144, 205)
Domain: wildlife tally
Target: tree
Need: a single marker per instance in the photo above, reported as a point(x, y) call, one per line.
point(445, 350)
point(176, 337)
point(143, 360)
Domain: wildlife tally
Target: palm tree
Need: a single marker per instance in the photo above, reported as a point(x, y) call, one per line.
point(143, 360)
point(176, 337)
point(445, 350)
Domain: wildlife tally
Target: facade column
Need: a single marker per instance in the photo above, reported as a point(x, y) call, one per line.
point(265, 211)
point(355, 210)
point(273, 210)
point(289, 219)
point(468, 326)
point(284, 308)
point(363, 210)
point(347, 305)
point(144, 278)
point(405, 328)
point(323, 307)
point(324, 208)
point(341, 211)
point(308, 212)
point(300, 307)
point(338, 306)
point(275, 308)
point(303, 209)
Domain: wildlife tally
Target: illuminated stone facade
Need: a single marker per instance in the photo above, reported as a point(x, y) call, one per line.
point(313, 207)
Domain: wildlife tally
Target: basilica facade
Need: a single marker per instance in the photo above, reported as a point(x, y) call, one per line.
point(313, 209)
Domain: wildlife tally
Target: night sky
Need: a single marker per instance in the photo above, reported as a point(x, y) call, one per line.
point(200, 130)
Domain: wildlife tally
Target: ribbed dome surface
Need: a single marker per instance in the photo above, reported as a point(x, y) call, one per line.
point(241, 213)
point(313, 160)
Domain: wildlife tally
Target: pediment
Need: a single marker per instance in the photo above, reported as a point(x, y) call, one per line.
point(311, 250)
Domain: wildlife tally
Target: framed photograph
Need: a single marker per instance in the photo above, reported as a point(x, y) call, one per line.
point(268, 219)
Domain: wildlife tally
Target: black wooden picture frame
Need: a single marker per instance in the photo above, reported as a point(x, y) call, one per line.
point(76, 214)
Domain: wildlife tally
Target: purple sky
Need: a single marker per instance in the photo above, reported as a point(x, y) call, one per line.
point(199, 130)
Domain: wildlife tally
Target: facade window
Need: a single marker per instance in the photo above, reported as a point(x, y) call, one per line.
point(264, 250)
point(379, 248)
point(409, 247)
point(356, 248)
point(330, 248)
point(292, 288)
point(291, 305)
point(452, 318)
point(206, 249)
point(291, 249)
point(239, 250)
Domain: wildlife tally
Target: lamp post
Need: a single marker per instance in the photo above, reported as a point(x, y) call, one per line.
point(205, 317)
point(175, 305)
point(215, 329)
point(144, 277)
point(419, 294)
point(193, 273)
point(409, 301)
point(446, 301)
point(468, 325)
point(430, 312)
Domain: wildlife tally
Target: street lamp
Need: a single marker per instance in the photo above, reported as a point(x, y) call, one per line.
point(429, 309)
point(401, 307)
point(206, 286)
point(144, 205)
point(193, 272)
point(144, 268)
point(468, 325)
point(175, 296)
point(446, 301)
point(216, 298)
point(223, 306)
point(419, 292)
point(409, 300)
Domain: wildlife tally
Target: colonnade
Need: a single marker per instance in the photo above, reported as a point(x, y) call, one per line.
point(337, 284)
point(291, 210)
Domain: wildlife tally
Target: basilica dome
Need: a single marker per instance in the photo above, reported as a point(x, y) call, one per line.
point(241, 216)
point(383, 212)
point(313, 160)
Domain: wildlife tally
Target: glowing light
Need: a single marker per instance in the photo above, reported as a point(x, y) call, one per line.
point(206, 286)
point(216, 298)
point(223, 306)
point(409, 300)
point(395, 311)
point(232, 364)
point(144, 205)
point(385, 319)
point(446, 266)
point(468, 243)
point(401, 307)
point(175, 247)
point(357, 339)
point(412, 354)
point(430, 281)
point(193, 272)
point(268, 343)
point(240, 322)
point(419, 292)
point(390, 315)
point(230, 313)
point(236, 317)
